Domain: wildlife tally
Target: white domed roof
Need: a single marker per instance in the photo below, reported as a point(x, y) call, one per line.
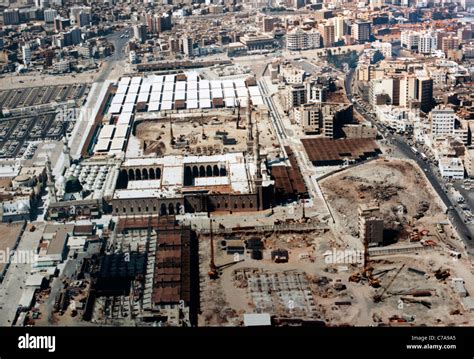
point(23, 206)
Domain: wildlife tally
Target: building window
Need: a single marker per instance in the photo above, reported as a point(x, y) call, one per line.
point(124, 210)
point(131, 209)
point(116, 209)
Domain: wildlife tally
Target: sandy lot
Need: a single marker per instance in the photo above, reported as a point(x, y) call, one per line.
point(405, 197)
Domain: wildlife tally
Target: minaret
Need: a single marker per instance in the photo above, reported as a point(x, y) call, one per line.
point(171, 133)
point(257, 149)
point(258, 175)
point(50, 183)
point(67, 152)
point(250, 141)
point(238, 114)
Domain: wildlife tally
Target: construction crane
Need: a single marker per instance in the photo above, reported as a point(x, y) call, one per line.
point(214, 270)
point(213, 274)
point(366, 272)
point(379, 297)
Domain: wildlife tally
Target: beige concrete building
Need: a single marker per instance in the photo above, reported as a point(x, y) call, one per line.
point(370, 224)
point(469, 162)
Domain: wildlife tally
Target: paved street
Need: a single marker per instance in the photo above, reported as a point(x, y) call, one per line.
point(465, 231)
point(12, 286)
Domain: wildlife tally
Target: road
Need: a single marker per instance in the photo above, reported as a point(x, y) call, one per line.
point(11, 289)
point(286, 137)
point(458, 223)
point(275, 115)
point(119, 54)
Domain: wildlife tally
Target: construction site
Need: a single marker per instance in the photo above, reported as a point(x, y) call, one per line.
point(390, 259)
point(203, 133)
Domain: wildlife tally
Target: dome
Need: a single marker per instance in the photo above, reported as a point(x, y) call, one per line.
point(23, 206)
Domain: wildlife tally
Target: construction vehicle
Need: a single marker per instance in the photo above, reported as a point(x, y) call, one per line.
point(442, 274)
point(379, 296)
point(214, 270)
point(366, 273)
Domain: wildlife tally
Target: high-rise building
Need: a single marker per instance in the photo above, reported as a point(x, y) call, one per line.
point(26, 53)
point(407, 90)
point(427, 43)
point(268, 23)
point(139, 32)
point(327, 33)
point(297, 4)
point(49, 15)
point(370, 224)
point(85, 50)
point(298, 39)
point(381, 91)
point(173, 45)
point(153, 23)
point(42, 4)
point(76, 37)
point(467, 5)
point(469, 162)
point(11, 17)
point(61, 23)
point(442, 121)
point(322, 118)
point(409, 39)
point(296, 95)
point(340, 28)
point(450, 43)
point(74, 14)
point(187, 43)
point(361, 31)
point(132, 56)
point(166, 21)
point(84, 18)
point(424, 92)
point(376, 3)
point(385, 48)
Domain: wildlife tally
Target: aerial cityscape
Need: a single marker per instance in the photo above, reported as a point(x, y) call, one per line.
point(236, 163)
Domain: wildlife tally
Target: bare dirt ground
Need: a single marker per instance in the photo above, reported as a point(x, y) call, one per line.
point(407, 202)
point(199, 131)
point(21, 81)
point(225, 300)
point(406, 199)
point(339, 301)
point(8, 236)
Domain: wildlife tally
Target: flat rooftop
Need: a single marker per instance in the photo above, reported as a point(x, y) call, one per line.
point(327, 151)
point(172, 179)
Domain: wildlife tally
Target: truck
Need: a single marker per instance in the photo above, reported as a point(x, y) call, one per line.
point(414, 150)
point(423, 156)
